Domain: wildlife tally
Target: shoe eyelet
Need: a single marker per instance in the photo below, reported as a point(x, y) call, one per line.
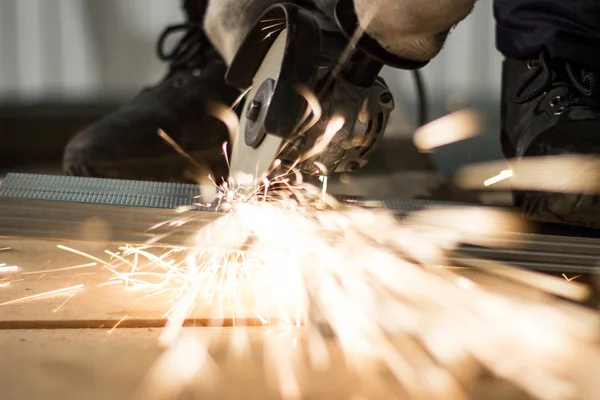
point(555, 101)
point(559, 111)
point(531, 64)
point(196, 72)
point(180, 82)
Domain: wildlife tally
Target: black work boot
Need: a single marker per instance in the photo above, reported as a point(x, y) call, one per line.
point(126, 144)
point(552, 108)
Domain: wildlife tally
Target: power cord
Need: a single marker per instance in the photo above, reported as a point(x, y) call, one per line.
point(422, 106)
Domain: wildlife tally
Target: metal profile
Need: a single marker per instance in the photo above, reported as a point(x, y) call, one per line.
point(60, 207)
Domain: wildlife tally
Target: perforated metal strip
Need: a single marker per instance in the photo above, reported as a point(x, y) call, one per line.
point(99, 191)
point(61, 207)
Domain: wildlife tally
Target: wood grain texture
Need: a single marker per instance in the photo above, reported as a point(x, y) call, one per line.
point(92, 302)
point(101, 363)
point(92, 364)
point(97, 304)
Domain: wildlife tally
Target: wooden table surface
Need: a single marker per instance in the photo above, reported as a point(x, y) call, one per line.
point(99, 364)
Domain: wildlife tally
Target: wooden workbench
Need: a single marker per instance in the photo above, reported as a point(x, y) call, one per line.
point(99, 364)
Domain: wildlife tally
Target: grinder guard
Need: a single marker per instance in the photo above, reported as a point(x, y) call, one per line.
point(298, 66)
point(309, 61)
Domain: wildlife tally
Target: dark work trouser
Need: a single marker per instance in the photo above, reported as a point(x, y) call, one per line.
point(566, 29)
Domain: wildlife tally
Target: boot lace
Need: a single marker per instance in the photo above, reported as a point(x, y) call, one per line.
point(584, 86)
point(189, 52)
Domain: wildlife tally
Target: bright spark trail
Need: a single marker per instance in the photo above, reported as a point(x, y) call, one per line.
point(45, 294)
point(376, 286)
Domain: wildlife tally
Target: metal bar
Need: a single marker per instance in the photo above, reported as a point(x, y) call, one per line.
point(52, 207)
point(99, 191)
point(548, 266)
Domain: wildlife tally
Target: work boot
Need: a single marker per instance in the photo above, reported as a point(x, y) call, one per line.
point(552, 108)
point(126, 144)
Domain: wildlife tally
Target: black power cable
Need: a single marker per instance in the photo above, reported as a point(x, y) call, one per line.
point(422, 106)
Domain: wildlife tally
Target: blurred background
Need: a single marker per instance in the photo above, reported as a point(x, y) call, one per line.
point(65, 63)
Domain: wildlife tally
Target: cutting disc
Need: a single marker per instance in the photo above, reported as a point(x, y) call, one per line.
point(249, 164)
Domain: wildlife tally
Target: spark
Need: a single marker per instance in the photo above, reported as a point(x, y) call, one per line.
point(572, 278)
point(387, 292)
point(543, 283)
point(353, 259)
point(81, 253)
point(278, 28)
point(562, 174)
point(5, 269)
point(313, 109)
point(333, 127)
point(205, 177)
point(324, 180)
point(224, 148)
point(45, 294)
point(164, 136)
point(459, 125)
point(178, 367)
point(348, 52)
point(276, 25)
point(504, 174)
point(272, 20)
point(63, 303)
point(227, 115)
point(79, 266)
point(470, 224)
point(117, 324)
